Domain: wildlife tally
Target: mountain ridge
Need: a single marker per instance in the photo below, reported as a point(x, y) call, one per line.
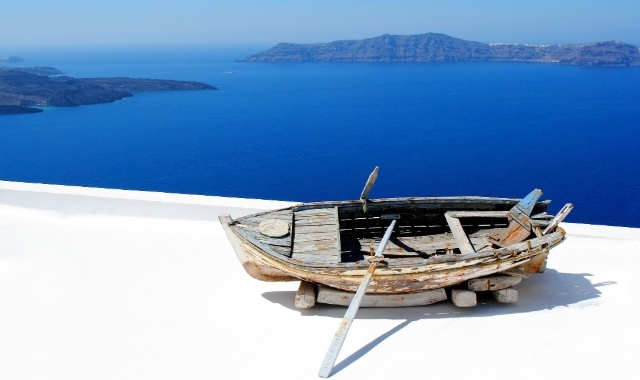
point(437, 47)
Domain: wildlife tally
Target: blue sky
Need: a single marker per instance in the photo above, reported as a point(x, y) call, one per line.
point(82, 22)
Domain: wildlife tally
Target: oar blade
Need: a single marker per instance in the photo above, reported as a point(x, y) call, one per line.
point(369, 185)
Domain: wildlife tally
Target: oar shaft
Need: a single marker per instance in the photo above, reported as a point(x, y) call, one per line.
point(341, 334)
point(343, 329)
point(385, 239)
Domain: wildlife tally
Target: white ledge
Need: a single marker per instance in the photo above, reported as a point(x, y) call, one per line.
point(146, 204)
point(115, 284)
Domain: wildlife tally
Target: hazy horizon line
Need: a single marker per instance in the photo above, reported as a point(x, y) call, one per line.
point(268, 44)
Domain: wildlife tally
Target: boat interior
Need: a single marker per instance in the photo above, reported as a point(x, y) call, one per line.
point(420, 232)
point(343, 233)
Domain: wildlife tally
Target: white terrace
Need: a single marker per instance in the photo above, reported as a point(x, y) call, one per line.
point(112, 284)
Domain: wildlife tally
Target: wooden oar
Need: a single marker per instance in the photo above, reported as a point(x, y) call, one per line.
point(519, 222)
point(369, 185)
point(341, 334)
point(558, 218)
point(367, 188)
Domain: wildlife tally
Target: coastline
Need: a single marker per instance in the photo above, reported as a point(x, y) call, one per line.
point(25, 87)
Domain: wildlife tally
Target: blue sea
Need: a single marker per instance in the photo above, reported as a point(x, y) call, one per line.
point(314, 131)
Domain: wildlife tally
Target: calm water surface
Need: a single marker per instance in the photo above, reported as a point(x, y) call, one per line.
point(314, 131)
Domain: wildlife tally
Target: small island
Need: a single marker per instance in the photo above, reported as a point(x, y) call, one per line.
point(12, 59)
point(22, 88)
point(436, 47)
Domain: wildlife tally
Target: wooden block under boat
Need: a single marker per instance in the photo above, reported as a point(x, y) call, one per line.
point(463, 298)
point(306, 295)
point(332, 296)
point(508, 295)
point(492, 283)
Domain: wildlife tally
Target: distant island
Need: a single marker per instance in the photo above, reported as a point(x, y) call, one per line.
point(12, 59)
point(21, 88)
point(435, 47)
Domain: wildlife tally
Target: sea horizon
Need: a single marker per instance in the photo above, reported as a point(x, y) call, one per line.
point(314, 131)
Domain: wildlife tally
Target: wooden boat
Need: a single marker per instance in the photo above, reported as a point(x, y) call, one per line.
point(437, 242)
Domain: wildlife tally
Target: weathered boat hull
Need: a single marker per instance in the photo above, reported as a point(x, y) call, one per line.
point(410, 276)
point(252, 258)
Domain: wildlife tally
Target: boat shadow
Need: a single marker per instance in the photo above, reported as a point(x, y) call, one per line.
point(545, 291)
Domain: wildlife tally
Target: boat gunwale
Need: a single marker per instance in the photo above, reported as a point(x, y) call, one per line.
point(379, 201)
point(409, 200)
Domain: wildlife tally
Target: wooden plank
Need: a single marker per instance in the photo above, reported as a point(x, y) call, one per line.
point(478, 214)
point(463, 298)
point(338, 297)
point(317, 239)
point(283, 241)
point(315, 216)
point(314, 213)
point(558, 218)
point(322, 260)
point(314, 229)
point(315, 222)
point(327, 256)
point(338, 238)
point(426, 204)
point(322, 240)
point(421, 245)
point(315, 246)
point(284, 251)
point(537, 230)
point(508, 295)
point(520, 222)
point(542, 215)
point(266, 247)
point(539, 223)
point(286, 215)
point(313, 263)
point(552, 238)
point(301, 238)
point(492, 283)
point(306, 295)
point(459, 235)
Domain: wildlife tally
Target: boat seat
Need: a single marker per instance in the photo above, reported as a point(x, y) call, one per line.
point(461, 238)
point(316, 236)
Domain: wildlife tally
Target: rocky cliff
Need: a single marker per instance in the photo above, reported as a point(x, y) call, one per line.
point(435, 47)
